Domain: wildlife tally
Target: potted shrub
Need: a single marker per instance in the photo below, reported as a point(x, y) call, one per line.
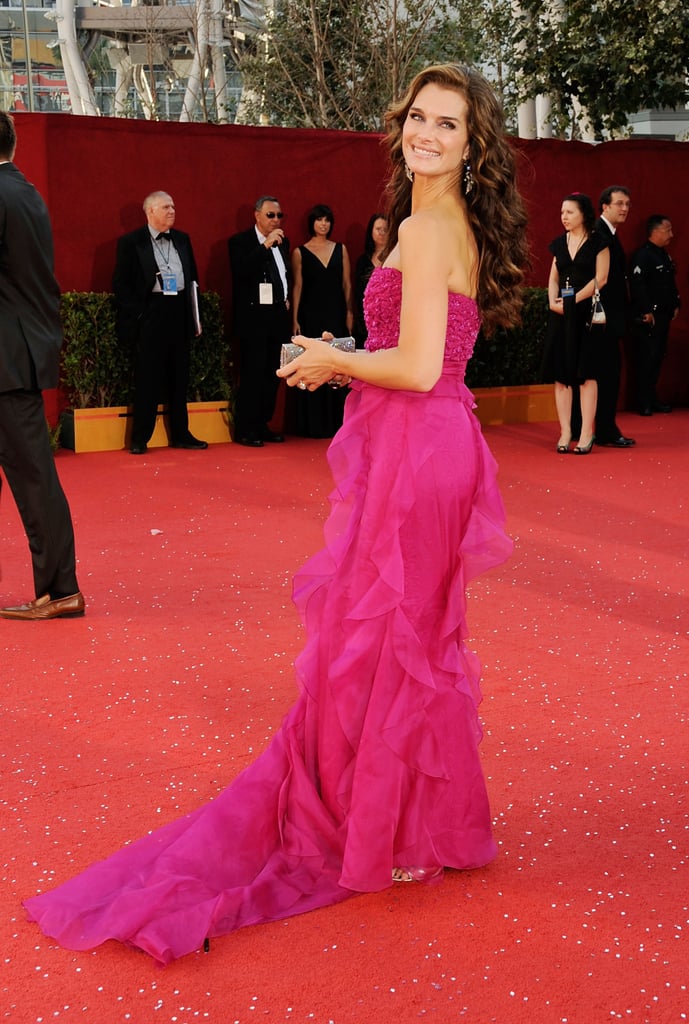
point(96, 376)
point(504, 371)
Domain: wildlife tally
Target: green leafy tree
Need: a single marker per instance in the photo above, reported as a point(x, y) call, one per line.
point(609, 58)
point(335, 64)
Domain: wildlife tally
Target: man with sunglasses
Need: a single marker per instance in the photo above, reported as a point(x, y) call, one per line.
point(259, 259)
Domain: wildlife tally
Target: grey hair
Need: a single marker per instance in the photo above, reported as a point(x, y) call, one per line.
point(258, 205)
point(152, 196)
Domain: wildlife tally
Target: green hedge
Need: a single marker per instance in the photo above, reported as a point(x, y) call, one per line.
point(512, 356)
point(97, 370)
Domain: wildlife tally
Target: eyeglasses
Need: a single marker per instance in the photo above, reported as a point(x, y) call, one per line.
point(272, 216)
point(621, 202)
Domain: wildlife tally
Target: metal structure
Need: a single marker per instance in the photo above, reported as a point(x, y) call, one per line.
point(173, 60)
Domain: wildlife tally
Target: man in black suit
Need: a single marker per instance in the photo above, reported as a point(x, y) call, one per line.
point(655, 302)
point(259, 259)
point(614, 205)
point(156, 297)
point(30, 342)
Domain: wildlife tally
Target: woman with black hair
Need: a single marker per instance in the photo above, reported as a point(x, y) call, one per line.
point(581, 261)
point(372, 257)
point(321, 301)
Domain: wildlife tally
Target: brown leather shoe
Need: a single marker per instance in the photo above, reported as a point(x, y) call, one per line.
point(43, 608)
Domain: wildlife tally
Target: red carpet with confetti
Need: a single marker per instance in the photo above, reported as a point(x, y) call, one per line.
point(181, 671)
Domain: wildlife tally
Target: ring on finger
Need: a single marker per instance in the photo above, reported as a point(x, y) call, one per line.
point(301, 384)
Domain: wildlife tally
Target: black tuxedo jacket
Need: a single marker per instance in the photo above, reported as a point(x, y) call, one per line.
point(30, 326)
point(252, 264)
point(135, 275)
point(614, 294)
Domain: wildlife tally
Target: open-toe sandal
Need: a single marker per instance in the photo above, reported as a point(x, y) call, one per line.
point(415, 874)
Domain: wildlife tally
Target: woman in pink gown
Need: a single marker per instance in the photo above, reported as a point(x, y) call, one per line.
point(374, 774)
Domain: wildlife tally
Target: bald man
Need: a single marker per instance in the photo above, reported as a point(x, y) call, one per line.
point(155, 276)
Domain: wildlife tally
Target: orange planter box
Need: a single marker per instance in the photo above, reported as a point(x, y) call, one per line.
point(525, 403)
point(107, 430)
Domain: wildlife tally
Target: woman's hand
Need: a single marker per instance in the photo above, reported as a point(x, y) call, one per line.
point(340, 380)
point(557, 305)
point(314, 367)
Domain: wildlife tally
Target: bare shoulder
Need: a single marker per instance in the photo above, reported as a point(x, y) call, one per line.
point(426, 225)
point(426, 239)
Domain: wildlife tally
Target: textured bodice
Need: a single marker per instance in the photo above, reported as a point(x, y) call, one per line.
point(382, 304)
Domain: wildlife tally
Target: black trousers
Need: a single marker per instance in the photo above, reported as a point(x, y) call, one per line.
point(260, 357)
point(650, 346)
point(609, 372)
point(161, 372)
point(28, 463)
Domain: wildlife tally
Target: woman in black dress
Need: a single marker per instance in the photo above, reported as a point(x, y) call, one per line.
point(581, 261)
point(321, 301)
point(374, 244)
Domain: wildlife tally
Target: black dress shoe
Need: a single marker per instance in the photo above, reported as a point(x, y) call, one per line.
point(192, 443)
point(250, 442)
point(618, 442)
point(272, 438)
point(646, 411)
point(138, 449)
point(661, 407)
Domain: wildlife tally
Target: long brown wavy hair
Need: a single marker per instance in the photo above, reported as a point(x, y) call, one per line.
point(495, 207)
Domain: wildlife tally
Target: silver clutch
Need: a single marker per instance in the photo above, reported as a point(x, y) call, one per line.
point(291, 351)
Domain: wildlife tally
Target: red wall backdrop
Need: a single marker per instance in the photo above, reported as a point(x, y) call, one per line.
point(95, 172)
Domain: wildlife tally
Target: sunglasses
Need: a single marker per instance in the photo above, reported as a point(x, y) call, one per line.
point(272, 216)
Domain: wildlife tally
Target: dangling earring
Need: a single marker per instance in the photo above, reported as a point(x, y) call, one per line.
point(467, 178)
point(410, 174)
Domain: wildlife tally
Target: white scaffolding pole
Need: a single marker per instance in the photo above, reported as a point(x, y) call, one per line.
point(80, 92)
point(192, 95)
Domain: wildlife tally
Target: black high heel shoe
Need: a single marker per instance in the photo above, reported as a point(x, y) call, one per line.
point(562, 448)
point(585, 449)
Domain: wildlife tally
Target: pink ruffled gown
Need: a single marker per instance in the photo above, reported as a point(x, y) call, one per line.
point(377, 763)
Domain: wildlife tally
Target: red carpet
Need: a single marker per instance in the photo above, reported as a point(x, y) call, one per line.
point(181, 670)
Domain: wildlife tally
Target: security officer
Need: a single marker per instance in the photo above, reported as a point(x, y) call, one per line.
point(655, 304)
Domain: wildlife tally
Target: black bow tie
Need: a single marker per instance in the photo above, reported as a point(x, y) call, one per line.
point(163, 234)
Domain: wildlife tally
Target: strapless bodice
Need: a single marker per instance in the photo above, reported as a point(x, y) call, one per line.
point(382, 303)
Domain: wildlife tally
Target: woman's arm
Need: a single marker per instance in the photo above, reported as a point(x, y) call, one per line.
point(417, 361)
point(554, 298)
point(296, 288)
point(347, 288)
point(602, 270)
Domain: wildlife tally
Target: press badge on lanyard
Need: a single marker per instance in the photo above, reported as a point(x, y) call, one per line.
point(265, 294)
point(169, 284)
point(567, 292)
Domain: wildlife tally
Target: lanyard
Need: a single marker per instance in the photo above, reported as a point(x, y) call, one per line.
point(159, 248)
